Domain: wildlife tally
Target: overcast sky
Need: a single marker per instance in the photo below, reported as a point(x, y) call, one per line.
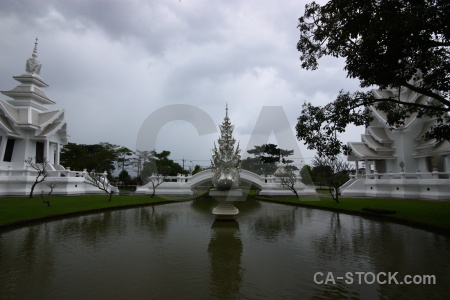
point(112, 63)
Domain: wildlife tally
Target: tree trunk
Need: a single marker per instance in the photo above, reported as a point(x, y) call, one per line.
point(32, 189)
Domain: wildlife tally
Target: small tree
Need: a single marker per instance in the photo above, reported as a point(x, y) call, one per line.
point(41, 169)
point(156, 180)
point(158, 167)
point(51, 186)
point(100, 181)
point(288, 179)
point(334, 171)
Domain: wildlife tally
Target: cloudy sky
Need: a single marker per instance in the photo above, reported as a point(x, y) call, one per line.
point(112, 63)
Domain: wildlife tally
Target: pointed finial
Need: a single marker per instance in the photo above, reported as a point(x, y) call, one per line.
point(33, 66)
point(35, 49)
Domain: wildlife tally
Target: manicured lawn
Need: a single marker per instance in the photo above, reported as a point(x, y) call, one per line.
point(427, 213)
point(13, 209)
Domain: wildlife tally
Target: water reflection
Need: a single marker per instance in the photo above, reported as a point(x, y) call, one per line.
point(177, 251)
point(27, 262)
point(271, 227)
point(153, 221)
point(92, 229)
point(225, 251)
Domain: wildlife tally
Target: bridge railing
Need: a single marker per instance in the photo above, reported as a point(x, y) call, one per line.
point(32, 172)
point(181, 178)
point(403, 175)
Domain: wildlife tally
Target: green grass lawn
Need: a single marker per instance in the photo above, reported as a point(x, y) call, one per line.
point(14, 209)
point(427, 213)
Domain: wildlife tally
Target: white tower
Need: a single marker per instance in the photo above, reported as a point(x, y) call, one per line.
point(27, 127)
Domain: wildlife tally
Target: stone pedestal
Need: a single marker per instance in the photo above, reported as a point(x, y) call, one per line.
point(225, 209)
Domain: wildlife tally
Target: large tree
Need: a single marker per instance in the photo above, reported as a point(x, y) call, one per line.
point(385, 43)
point(265, 159)
point(124, 157)
point(100, 157)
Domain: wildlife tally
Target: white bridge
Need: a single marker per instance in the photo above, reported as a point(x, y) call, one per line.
point(185, 184)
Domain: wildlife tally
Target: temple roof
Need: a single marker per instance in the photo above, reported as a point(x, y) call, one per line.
point(425, 128)
point(382, 117)
point(20, 115)
point(51, 129)
point(379, 134)
point(6, 125)
point(361, 151)
point(29, 92)
point(438, 149)
point(374, 144)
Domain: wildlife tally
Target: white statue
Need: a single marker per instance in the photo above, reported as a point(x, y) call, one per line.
point(226, 161)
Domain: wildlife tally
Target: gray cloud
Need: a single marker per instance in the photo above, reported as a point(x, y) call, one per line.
point(110, 64)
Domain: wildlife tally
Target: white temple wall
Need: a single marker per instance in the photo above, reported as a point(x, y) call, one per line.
point(421, 164)
point(392, 165)
point(3, 139)
point(30, 150)
point(403, 140)
point(54, 146)
point(19, 152)
point(380, 166)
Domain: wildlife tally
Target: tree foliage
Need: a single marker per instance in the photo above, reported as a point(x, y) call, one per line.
point(124, 177)
point(123, 157)
point(387, 43)
point(332, 172)
point(306, 175)
point(102, 156)
point(140, 157)
point(158, 168)
point(265, 159)
point(197, 169)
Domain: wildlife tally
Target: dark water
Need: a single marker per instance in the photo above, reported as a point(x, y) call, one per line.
point(177, 251)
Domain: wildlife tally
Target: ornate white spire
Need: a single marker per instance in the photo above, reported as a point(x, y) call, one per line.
point(33, 66)
point(226, 161)
point(34, 55)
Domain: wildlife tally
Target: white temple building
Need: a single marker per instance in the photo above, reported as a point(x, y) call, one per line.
point(28, 128)
point(398, 161)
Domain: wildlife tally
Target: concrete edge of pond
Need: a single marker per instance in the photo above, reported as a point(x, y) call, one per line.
point(366, 214)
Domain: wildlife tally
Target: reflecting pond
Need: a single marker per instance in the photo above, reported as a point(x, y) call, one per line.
point(177, 251)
